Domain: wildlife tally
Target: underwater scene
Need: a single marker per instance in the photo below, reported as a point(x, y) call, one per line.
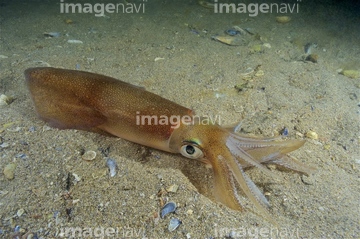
point(179, 119)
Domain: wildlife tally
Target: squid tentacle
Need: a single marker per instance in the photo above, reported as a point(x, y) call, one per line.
point(239, 153)
point(246, 185)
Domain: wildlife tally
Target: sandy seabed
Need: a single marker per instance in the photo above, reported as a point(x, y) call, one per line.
point(56, 194)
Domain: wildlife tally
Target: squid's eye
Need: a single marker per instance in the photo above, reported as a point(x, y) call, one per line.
point(191, 151)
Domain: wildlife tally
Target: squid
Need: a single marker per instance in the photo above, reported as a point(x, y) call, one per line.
point(72, 99)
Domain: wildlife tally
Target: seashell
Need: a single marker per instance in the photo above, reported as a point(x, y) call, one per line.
point(77, 178)
point(232, 32)
point(20, 212)
point(4, 145)
point(312, 57)
point(206, 4)
point(75, 41)
point(52, 34)
point(354, 74)
point(112, 166)
point(259, 73)
point(68, 21)
point(308, 47)
point(17, 228)
point(173, 224)
point(283, 19)
point(5, 100)
point(9, 171)
point(285, 132)
point(267, 45)
point(241, 31)
point(159, 58)
point(251, 31)
point(256, 48)
point(167, 208)
point(312, 135)
point(230, 40)
point(172, 188)
point(89, 155)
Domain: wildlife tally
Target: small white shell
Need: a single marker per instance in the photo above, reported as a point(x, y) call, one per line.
point(312, 135)
point(4, 100)
point(52, 34)
point(283, 19)
point(159, 58)
point(20, 212)
point(77, 178)
point(173, 224)
point(112, 166)
point(89, 155)
point(172, 188)
point(75, 41)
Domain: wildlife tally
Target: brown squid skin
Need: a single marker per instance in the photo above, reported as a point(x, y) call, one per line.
point(70, 99)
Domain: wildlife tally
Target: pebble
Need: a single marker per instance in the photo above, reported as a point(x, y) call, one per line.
point(232, 32)
point(230, 40)
point(285, 132)
point(256, 48)
point(312, 135)
point(189, 212)
point(89, 156)
point(31, 236)
point(283, 19)
point(267, 45)
point(46, 128)
point(172, 188)
point(307, 180)
point(4, 145)
point(9, 171)
point(17, 228)
point(259, 73)
point(351, 73)
point(77, 178)
point(159, 59)
point(112, 166)
point(20, 212)
point(4, 100)
point(308, 47)
point(242, 31)
point(52, 34)
point(312, 57)
point(75, 41)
